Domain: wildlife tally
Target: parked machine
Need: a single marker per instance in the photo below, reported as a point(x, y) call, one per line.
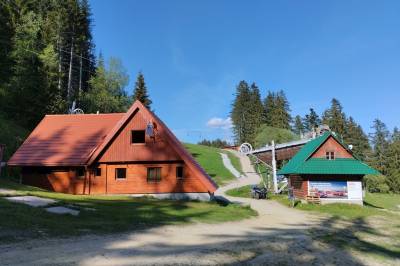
point(258, 192)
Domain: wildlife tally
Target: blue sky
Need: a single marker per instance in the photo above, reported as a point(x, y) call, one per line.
point(194, 53)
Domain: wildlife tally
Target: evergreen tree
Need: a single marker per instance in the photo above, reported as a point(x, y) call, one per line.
point(393, 163)
point(277, 110)
point(269, 108)
point(379, 139)
point(140, 91)
point(298, 125)
point(335, 118)
point(355, 136)
point(256, 111)
point(241, 113)
point(311, 120)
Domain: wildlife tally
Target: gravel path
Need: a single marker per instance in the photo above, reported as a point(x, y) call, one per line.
point(277, 236)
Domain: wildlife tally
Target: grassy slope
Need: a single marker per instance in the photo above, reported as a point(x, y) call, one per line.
point(112, 214)
point(210, 159)
point(266, 134)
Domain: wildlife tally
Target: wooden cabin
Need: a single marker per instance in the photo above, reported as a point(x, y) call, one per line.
point(326, 171)
point(119, 153)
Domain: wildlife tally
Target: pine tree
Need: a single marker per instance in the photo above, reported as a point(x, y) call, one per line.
point(298, 126)
point(282, 113)
point(335, 118)
point(311, 120)
point(277, 110)
point(241, 113)
point(269, 108)
point(256, 111)
point(140, 91)
point(355, 136)
point(379, 139)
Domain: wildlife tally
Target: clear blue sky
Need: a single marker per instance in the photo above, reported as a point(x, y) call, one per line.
point(193, 54)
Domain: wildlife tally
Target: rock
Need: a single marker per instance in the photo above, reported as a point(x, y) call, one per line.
point(32, 201)
point(62, 210)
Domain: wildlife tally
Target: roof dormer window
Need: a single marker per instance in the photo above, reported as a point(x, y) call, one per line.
point(330, 155)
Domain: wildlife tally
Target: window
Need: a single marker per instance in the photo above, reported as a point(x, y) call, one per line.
point(154, 174)
point(80, 173)
point(330, 155)
point(179, 172)
point(138, 136)
point(98, 171)
point(120, 173)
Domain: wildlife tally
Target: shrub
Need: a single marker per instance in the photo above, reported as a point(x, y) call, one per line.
point(376, 183)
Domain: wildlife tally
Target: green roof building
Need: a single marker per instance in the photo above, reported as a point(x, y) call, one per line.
point(325, 170)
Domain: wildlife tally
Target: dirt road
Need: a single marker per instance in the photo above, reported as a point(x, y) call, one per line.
point(279, 235)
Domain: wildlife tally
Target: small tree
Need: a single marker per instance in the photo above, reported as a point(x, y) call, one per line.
point(140, 91)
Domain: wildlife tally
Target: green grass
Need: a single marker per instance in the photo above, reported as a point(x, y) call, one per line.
point(112, 214)
point(381, 200)
point(210, 159)
point(242, 192)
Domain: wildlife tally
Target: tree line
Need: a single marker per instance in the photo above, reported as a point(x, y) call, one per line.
point(250, 112)
point(47, 61)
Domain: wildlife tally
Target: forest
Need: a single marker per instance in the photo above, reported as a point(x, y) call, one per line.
point(252, 116)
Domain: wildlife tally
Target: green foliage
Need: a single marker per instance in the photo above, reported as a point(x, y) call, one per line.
point(376, 183)
point(266, 134)
point(380, 142)
point(241, 114)
point(393, 165)
point(12, 135)
point(277, 110)
point(298, 127)
point(107, 93)
point(311, 120)
point(210, 159)
point(140, 91)
point(41, 44)
point(335, 118)
point(354, 135)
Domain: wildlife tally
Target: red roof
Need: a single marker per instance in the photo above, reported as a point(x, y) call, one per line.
point(64, 140)
point(74, 140)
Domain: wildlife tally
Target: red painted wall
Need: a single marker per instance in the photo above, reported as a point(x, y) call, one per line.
point(331, 145)
point(122, 150)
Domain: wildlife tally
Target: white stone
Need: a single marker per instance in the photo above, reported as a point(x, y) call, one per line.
point(32, 201)
point(62, 210)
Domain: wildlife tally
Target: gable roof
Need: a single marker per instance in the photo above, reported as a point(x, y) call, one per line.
point(170, 138)
point(301, 163)
point(64, 140)
point(79, 140)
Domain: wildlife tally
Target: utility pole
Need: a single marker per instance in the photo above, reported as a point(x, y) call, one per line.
point(275, 179)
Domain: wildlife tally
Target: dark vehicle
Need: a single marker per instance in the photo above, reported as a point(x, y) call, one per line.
point(258, 193)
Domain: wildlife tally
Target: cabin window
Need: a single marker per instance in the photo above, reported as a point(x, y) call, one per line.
point(153, 174)
point(120, 173)
point(98, 171)
point(80, 173)
point(138, 136)
point(330, 155)
point(179, 172)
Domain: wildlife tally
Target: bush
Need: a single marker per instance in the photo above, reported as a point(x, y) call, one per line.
point(376, 183)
